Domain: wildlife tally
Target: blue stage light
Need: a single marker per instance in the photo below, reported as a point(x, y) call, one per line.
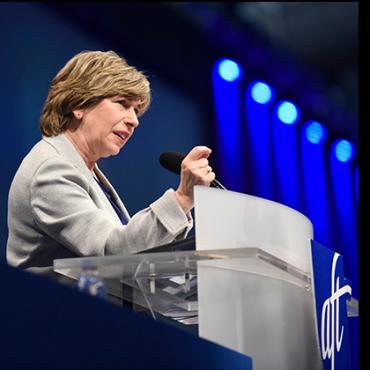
point(287, 112)
point(261, 92)
point(315, 132)
point(344, 150)
point(229, 70)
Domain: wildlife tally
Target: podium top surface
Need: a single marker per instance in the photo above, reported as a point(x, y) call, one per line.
point(247, 260)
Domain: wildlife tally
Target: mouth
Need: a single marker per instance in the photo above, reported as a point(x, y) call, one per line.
point(121, 135)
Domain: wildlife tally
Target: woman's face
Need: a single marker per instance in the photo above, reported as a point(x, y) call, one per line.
point(107, 126)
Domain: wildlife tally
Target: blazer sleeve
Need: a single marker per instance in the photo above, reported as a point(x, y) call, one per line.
point(63, 208)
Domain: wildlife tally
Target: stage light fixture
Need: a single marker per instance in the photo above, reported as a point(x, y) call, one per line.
point(229, 70)
point(287, 113)
point(315, 132)
point(261, 92)
point(344, 150)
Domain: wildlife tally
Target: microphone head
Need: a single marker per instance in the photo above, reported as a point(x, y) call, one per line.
point(172, 161)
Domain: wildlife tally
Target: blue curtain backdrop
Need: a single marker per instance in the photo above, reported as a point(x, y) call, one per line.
point(263, 156)
point(282, 165)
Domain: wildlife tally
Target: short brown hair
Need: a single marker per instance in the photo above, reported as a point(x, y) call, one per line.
point(86, 79)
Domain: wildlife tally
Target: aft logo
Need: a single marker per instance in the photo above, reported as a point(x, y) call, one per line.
point(330, 295)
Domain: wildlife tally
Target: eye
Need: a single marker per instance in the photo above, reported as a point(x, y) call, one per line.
point(127, 104)
point(123, 102)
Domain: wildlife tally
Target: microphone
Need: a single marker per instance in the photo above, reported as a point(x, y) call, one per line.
point(171, 161)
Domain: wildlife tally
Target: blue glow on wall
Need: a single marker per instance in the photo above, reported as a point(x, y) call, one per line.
point(345, 214)
point(315, 132)
point(287, 159)
point(356, 183)
point(259, 139)
point(226, 98)
point(228, 70)
point(317, 194)
point(261, 92)
point(289, 163)
point(287, 112)
point(344, 150)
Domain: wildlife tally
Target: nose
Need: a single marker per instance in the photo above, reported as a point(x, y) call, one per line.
point(131, 118)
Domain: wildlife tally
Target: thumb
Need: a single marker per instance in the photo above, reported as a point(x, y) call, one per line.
point(199, 152)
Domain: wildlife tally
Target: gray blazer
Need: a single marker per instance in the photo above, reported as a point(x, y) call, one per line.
point(56, 209)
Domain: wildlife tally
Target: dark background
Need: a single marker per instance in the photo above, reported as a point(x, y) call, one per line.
point(307, 50)
point(299, 47)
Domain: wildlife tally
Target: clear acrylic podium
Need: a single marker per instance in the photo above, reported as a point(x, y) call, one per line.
point(253, 296)
point(221, 291)
point(166, 283)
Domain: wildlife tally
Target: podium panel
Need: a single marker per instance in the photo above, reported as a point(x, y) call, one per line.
point(246, 309)
point(227, 219)
point(244, 299)
point(247, 285)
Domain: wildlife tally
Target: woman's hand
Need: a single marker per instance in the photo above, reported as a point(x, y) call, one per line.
point(195, 170)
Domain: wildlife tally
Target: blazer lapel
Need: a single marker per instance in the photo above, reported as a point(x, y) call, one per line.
point(113, 192)
point(67, 149)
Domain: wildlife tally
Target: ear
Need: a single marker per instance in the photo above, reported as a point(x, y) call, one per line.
point(78, 113)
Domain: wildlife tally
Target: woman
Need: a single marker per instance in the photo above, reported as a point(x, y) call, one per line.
point(60, 204)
